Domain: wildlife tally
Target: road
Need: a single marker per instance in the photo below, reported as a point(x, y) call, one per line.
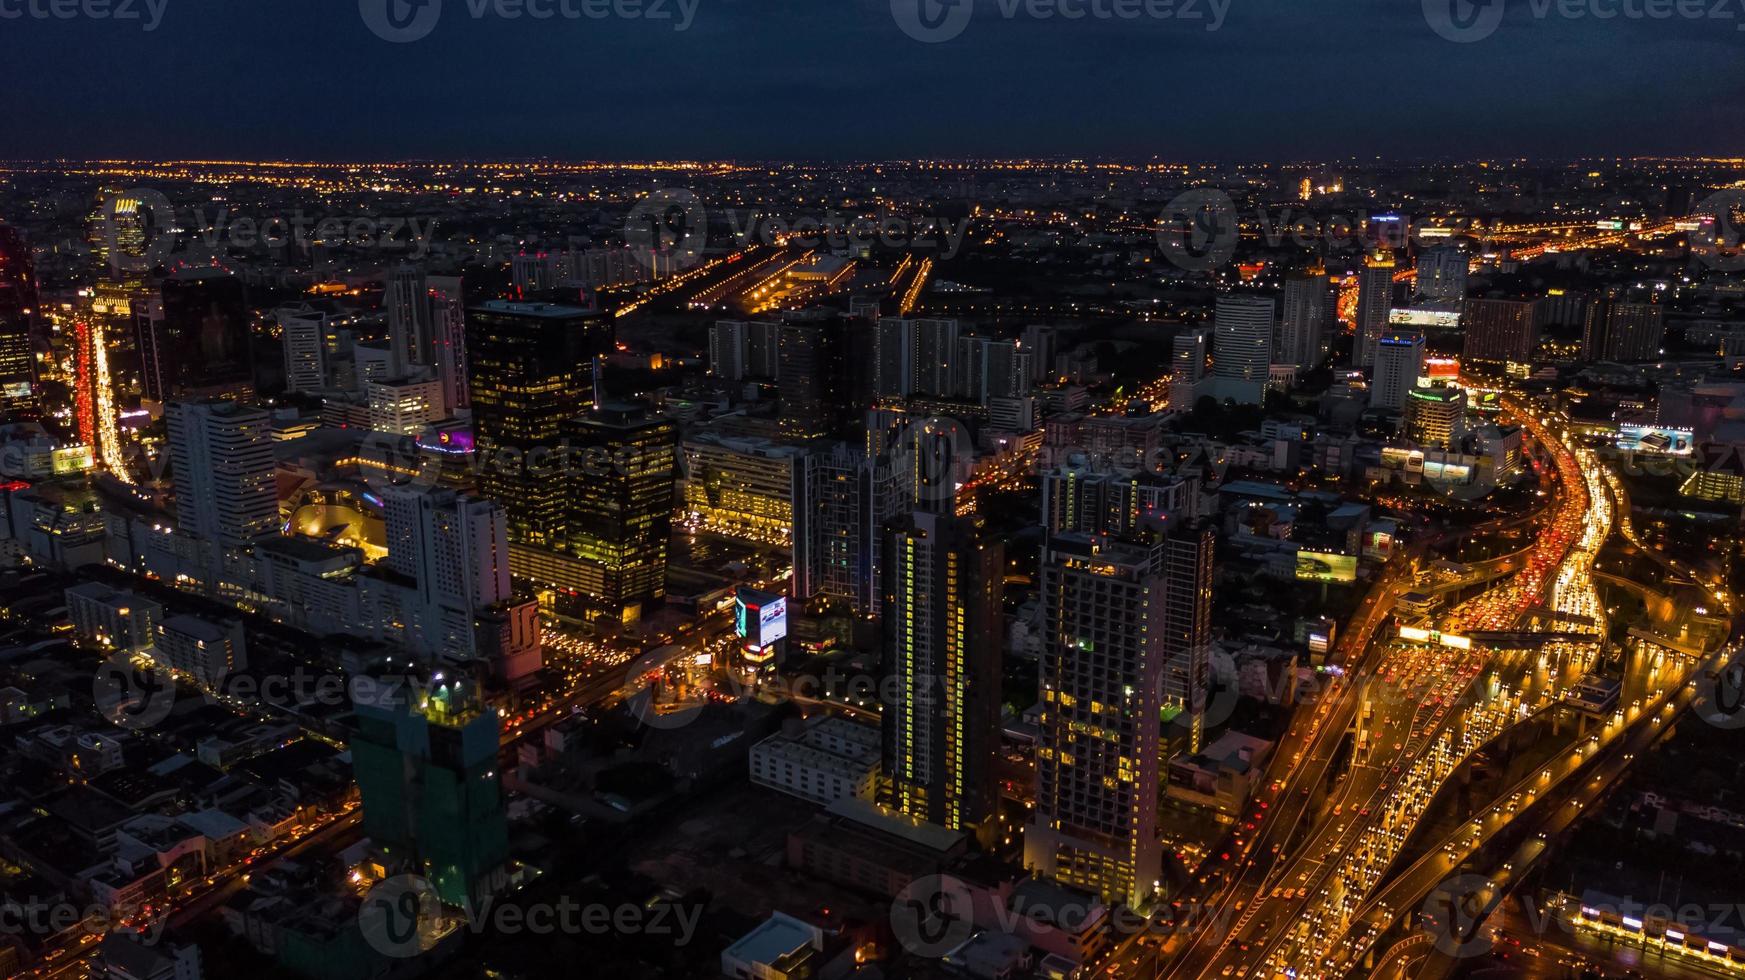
point(1420, 724)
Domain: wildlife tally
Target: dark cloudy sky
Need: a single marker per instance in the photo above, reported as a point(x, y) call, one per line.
point(840, 78)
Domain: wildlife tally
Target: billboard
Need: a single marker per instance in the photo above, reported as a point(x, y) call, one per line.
point(1647, 439)
point(762, 617)
point(1321, 566)
point(72, 459)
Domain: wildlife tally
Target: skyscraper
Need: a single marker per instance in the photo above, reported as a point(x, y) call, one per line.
point(1098, 760)
point(1304, 327)
point(817, 376)
point(531, 372)
point(1399, 361)
point(448, 327)
point(303, 331)
point(894, 357)
point(845, 499)
point(943, 587)
point(456, 549)
point(1618, 330)
point(426, 769)
point(1185, 560)
point(1187, 368)
point(1435, 415)
point(740, 351)
point(1498, 330)
point(1375, 303)
point(989, 368)
point(204, 343)
point(222, 458)
point(411, 334)
point(934, 355)
point(18, 312)
point(1442, 274)
point(625, 463)
point(1242, 346)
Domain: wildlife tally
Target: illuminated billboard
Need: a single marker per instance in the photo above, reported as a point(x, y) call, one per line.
point(1424, 318)
point(1646, 439)
point(1320, 566)
point(762, 618)
point(72, 459)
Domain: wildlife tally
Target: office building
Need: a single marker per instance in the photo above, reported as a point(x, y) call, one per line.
point(1499, 330)
point(203, 344)
point(112, 618)
point(1618, 330)
point(206, 650)
point(817, 376)
point(1187, 368)
point(455, 549)
point(1242, 347)
point(742, 351)
point(1185, 561)
point(1099, 752)
point(1375, 303)
point(894, 358)
point(221, 455)
point(1043, 342)
point(1399, 361)
point(933, 356)
point(1442, 274)
point(742, 488)
point(1303, 330)
point(303, 332)
point(849, 496)
point(404, 405)
point(621, 507)
point(531, 372)
point(1435, 415)
point(448, 331)
point(822, 761)
point(18, 313)
point(1120, 502)
point(989, 369)
point(411, 334)
point(425, 761)
point(943, 623)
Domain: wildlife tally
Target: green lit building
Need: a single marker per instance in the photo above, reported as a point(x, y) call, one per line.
point(426, 767)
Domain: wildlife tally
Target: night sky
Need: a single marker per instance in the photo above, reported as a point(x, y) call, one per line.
point(750, 79)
